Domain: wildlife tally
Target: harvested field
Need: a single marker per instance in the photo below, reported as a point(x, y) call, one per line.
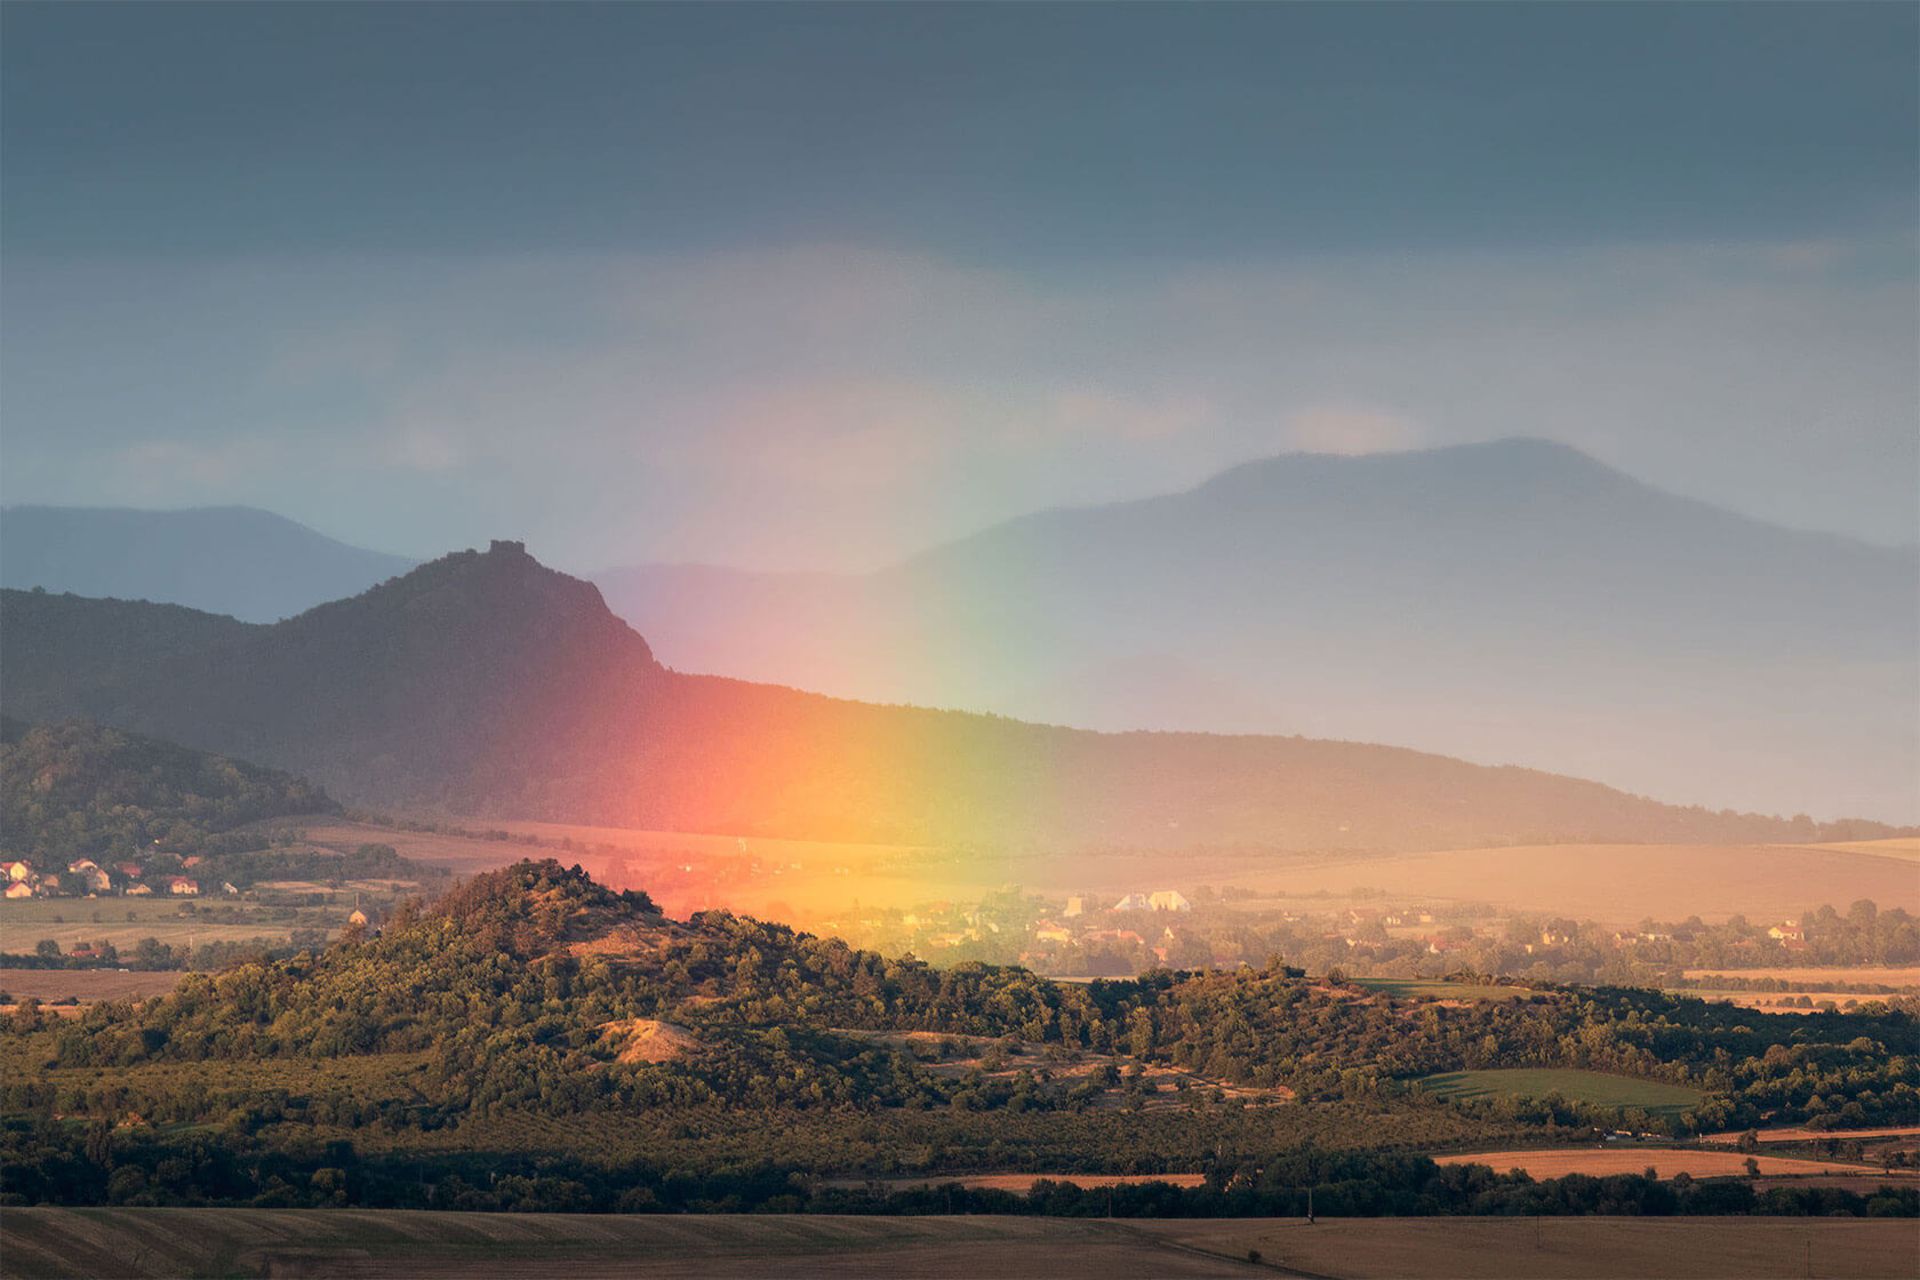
point(1780, 1002)
point(1875, 975)
point(1562, 1248)
point(356, 1243)
point(1598, 1162)
point(87, 985)
point(1906, 848)
point(1814, 1135)
point(352, 1243)
point(1596, 1088)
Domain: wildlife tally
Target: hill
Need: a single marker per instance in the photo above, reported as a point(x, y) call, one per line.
point(240, 561)
point(535, 1041)
point(73, 789)
point(485, 683)
point(1514, 601)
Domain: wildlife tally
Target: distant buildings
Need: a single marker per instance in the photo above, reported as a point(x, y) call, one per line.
point(18, 872)
point(183, 887)
point(1163, 900)
point(19, 889)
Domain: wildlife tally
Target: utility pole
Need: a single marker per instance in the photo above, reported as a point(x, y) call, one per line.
point(1309, 1206)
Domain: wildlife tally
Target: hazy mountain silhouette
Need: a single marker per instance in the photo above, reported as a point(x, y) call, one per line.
point(1514, 601)
point(485, 683)
point(239, 561)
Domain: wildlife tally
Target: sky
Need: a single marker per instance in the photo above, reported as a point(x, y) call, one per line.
point(817, 286)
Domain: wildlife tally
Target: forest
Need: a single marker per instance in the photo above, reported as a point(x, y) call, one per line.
point(78, 788)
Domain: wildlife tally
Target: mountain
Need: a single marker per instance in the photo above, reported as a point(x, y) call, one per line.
point(484, 683)
point(247, 563)
point(1513, 601)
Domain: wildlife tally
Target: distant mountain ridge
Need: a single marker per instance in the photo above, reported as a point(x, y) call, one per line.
point(240, 561)
point(484, 683)
point(1514, 601)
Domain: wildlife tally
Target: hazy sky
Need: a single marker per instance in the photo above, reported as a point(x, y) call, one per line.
point(814, 286)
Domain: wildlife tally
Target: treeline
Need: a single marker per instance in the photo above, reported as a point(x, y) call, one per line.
point(52, 1164)
point(78, 789)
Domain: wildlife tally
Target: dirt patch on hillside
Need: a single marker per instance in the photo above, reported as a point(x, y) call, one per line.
point(646, 1040)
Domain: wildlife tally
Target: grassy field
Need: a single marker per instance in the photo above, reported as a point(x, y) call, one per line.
point(36, 1243)
point(1593, 1087)
point(87, 985)
point(1438, 989)
point(26, 922)
point(1598, 1162)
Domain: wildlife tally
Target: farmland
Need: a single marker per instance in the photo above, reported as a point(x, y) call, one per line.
point(1562, 1248)
point(1592, 1087)
point(87, 985)
point(125, 921)
point(241, 1242)
point(1616, 884)
point(1903, 977)
point(1598, 1162)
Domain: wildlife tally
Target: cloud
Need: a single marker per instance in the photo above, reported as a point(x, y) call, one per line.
point(839, 407)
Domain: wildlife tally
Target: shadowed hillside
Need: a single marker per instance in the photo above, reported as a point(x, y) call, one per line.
point(485, 683)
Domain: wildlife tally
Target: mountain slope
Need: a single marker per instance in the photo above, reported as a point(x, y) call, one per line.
point(484, 683)
point(247, 563)
point(1511, 601)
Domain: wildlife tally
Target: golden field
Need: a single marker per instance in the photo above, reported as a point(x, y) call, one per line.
point(1598, 1162)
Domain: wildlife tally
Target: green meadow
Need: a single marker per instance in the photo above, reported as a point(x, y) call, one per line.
point(1596, 1088)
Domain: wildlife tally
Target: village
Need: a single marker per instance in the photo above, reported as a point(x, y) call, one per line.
point(85, 878)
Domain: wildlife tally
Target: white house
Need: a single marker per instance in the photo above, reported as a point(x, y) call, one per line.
point(1170, 900)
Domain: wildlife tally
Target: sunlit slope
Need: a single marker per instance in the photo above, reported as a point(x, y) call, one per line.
point(484, 683)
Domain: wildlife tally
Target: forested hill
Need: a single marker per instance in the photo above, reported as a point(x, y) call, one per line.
point(484, 683)
point(77, 788)
point(532, 988)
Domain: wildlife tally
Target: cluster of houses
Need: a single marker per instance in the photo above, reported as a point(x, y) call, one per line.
point(85, 878)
